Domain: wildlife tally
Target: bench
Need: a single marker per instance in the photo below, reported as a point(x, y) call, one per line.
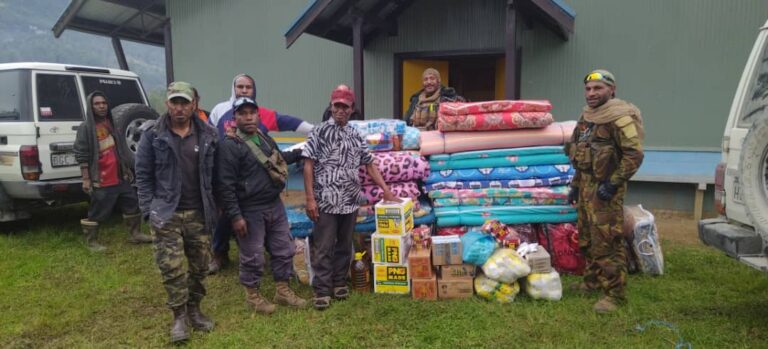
point(686, 167)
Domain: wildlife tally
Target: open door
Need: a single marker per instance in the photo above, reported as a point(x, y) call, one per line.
point(412, 70)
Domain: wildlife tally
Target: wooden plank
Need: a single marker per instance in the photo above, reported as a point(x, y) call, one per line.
point(357, 63)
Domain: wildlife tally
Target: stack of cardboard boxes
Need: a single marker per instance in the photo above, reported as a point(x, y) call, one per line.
point(423, 277)
point(455, 279)
point(390, 245)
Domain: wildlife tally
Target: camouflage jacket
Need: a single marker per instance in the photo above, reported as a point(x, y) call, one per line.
point(610, 151)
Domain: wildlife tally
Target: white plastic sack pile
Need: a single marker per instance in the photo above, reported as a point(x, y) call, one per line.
point(493, 290)
point(544, 286)
point(506, 265)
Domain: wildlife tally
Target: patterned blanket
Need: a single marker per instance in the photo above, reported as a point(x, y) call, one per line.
point(459, 108)
point(371, 193)
point(508, 161)
point(436, 142)
point(397, 166)
point(498, 153)
point(501, 173)
point(499, 202)
point(559, 192)
point(510, 183)
point(411, 138)
point(478, 215)
point(493, 121)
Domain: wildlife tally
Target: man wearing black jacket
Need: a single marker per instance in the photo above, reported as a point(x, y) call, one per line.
point(252, 172)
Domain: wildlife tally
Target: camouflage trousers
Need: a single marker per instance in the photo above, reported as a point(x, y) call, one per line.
point(184, 236)
point(600, 238)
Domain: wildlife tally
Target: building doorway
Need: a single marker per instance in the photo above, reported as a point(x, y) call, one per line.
point(476, 76)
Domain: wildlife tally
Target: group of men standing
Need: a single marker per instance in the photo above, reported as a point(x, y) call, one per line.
point(184, 159)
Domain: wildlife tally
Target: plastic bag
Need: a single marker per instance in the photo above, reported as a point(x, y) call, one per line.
point(645, 243)
point(506, 265)
point(562, 243)
point(301, 263)
point(544, 286)
point(477, 247)
point(493, 290)
point(379, 142)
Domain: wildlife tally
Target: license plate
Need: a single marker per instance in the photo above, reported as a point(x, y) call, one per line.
point(738, 195)
point(63, 160)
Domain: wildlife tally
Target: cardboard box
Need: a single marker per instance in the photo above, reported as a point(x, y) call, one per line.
point(539, 261)
point(391, 249)
point(457, 271)
point(446, 250)
point(424, 288)
point(391, 278)
point(420, 264)
point(394, 218)
point(455, 288)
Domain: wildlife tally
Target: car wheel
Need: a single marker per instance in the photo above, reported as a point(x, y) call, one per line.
point(754, 174)
point(128, 119)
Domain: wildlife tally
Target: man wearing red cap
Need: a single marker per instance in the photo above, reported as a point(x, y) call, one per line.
point(335, 152)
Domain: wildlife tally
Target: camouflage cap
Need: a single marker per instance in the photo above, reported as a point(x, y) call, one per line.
point(180, 89)
point(601, 75)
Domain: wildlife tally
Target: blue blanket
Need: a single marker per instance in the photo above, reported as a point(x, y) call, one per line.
point(478, 215)
point(498, 153)
point(500, 173)
point(511, 183)
point(507, 161)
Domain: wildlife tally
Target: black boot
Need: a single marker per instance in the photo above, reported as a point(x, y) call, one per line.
point(179, 331)
point(197, 319)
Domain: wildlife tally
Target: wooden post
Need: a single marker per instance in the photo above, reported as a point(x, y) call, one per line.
point(357, 63)
point(168, 53)
point(511, 58)
point(698, 202)
point(118, 46)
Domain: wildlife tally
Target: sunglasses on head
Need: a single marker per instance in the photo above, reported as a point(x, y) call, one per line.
point(598, 77)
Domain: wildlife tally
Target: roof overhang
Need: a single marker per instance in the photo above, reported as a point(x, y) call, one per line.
point(333, 19)
point(134, 20)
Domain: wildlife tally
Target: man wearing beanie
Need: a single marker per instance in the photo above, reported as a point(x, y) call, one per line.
point(606, 150)
point(422, 112)
point(251, 171)
point(334, 153)
point(174, 173)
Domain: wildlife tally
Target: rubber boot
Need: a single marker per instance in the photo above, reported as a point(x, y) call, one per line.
point(197, 319)
point(133, 223)
point(91, 232)
point(257, 302)
point(179, 329)
point(284, 295)
point(605, 305)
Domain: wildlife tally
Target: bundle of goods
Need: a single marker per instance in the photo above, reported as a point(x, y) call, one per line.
point(380, 134)
point(562, 242)
point(390, 245)
point(493, 115)
point(641, 226)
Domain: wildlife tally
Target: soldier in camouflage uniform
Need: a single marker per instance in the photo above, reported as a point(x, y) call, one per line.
point(174, 172)
point(606, 150)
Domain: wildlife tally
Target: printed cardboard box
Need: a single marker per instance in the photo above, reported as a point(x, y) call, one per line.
point(457, 271)
point(394, 218)
point(539, 261)
point(446, 250)
point(420, 263)
point(391, 249)
point(455, 288)
point(424, 288)
point(391, 278)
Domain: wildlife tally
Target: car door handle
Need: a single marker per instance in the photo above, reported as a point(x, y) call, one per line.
point(74, 128)
point(61, 146)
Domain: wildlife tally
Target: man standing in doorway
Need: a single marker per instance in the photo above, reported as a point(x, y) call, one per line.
point(335, 152)
point(107, 177)
point(606, 150)
point(422, 112)
point(223, 119)
point(174, 172)
point(251, 171)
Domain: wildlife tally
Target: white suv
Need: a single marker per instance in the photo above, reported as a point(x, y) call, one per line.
point(41, 107)
point(741, 179)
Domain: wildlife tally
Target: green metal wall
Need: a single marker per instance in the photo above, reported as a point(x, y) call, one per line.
point(215, 40)
point(678, 60)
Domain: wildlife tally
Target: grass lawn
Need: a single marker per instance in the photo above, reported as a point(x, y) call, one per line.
point(55, 293)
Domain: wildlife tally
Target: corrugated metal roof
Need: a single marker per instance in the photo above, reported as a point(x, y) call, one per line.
point(135, 20)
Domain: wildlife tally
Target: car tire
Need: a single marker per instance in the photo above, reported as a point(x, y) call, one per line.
point(753, 166)
point(128, 119)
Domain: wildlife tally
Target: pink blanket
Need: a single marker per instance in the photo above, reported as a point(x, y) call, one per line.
point(459, 108)
point(397, 166)
point(436, 142)
point(493, 121)
point(371, 193)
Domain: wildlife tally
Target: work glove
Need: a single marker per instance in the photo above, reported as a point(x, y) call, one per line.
point(606, 190)
point(573, 195)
